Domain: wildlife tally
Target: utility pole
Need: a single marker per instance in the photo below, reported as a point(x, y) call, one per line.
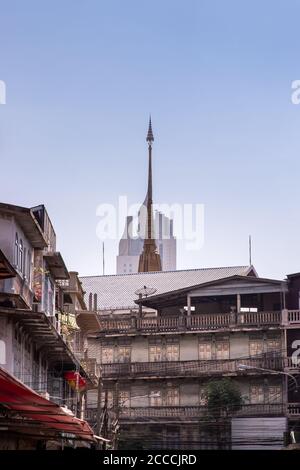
point(105, 419)
point(117, 415)
point(98, 420)
point(77, 411)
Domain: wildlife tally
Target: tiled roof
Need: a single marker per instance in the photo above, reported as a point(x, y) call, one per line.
point(117, 291)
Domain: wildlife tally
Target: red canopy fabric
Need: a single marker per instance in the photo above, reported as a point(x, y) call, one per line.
point(18, 397)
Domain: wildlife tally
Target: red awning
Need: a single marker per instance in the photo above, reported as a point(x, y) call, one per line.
point(18, 397)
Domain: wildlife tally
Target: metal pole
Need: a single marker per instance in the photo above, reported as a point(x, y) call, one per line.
point(105, 419)
point(77, 392)
point(117, 412)
point(103, 258)
point(98, 421)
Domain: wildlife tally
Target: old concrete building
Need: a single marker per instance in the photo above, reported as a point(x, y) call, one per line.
point(157, 353)
point(38, 303)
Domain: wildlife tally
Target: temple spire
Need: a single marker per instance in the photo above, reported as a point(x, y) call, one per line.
point(150, 137)
point(149, 258)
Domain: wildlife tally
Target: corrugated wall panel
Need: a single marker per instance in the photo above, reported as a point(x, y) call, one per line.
point(258, 433)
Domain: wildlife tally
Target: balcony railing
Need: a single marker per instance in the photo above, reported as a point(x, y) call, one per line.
point(200, 322)
point(291, 363)
point(293, 410)
point(91, 367)
point(293, 316)
point(259, 318)
point(188, 368)
point(188, 413)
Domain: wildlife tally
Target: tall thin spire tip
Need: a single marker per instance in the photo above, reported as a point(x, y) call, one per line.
point(150, 137)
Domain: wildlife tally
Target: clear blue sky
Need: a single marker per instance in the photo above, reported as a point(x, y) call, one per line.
point(81, 80)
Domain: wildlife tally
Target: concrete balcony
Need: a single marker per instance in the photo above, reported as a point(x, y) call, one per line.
point(15, 293)
point(196, 368)
point(202, 322)
point(91, 367)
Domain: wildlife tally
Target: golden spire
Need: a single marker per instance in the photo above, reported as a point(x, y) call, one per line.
point(149, 258)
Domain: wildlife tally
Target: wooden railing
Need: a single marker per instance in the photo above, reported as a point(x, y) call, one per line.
point(211, 321)
point(259, 318)
point(189, 368)
point(158, 323)
point(117, 325)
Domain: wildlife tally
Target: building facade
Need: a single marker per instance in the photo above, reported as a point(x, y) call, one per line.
point(156, 361)
point(37, 333)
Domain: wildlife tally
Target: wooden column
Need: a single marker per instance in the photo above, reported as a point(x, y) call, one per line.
point(189, 304)
point(238, 303)
point(189, 310)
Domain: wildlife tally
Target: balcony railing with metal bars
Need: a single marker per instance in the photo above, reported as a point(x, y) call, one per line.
point(190, 368)
point(187, 413)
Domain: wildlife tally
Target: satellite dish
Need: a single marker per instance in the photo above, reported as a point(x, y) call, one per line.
point(145, 291)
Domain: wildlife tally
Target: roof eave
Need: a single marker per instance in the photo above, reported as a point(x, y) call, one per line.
point(27, 222)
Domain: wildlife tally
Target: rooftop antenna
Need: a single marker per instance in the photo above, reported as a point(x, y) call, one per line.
point(144, 292)
point(103, 259)
point(250, 250)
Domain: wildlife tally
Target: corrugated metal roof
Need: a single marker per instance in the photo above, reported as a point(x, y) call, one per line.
point(117, 291)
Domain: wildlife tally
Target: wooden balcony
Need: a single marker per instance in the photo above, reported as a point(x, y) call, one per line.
point(201, 322)
point(196, 368)
point(186, 413)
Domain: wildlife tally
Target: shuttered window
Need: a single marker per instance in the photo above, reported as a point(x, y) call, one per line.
point(256, 394)
point(155, 353)
point(256, 347)
point(107, 355)
point(205, 351)
point(172, 352)
point(222, 350)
